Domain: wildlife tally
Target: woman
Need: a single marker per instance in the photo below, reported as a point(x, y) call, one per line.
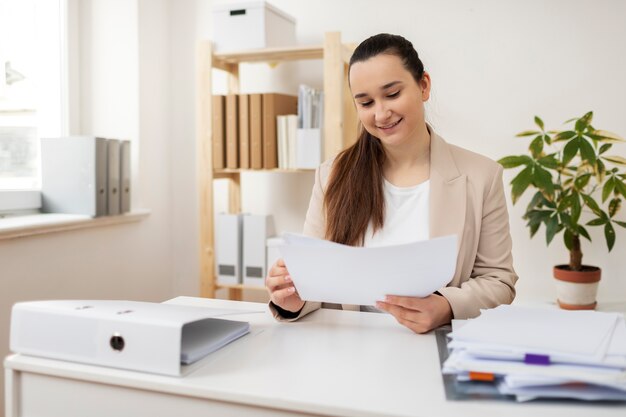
point(401, 182)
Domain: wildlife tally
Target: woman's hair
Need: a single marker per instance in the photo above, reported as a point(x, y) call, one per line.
point(354, 195)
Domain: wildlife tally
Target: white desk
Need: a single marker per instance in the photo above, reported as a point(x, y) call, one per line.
point(329, 363)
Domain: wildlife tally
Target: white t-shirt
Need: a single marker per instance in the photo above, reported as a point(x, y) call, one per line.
point(406, 216)
point(406, 219)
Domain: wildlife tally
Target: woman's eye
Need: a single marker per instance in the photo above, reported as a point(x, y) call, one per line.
point(393, 95)
point(366, 103)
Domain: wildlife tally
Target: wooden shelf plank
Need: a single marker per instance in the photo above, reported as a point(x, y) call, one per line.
point(227, 172)
point(270, 55)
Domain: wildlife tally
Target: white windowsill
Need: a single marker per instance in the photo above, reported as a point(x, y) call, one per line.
point(37, 224)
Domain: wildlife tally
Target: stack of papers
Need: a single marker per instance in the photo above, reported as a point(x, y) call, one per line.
point(543, 353)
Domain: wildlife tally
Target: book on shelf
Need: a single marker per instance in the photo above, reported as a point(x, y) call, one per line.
point(274, 105)
point(281, 131)
point(256, 131)
point(232, 131)
point(217, 141)
point(287, 136)
point(244, 131)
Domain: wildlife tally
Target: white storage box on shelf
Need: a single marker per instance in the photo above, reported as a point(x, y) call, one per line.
point(251, 25)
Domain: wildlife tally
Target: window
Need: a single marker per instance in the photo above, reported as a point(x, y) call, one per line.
point(32, 89)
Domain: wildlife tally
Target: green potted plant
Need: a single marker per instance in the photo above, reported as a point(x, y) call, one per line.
point(577, 185)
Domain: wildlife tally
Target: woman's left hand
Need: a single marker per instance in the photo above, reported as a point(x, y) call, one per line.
point(418, 314)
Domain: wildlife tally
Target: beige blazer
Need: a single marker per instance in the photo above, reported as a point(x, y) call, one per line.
point(466, 199)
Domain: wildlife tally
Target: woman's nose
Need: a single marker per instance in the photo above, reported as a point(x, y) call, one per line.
point(382, 113)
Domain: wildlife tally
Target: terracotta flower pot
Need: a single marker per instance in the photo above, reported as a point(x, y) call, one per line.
point(577, 290)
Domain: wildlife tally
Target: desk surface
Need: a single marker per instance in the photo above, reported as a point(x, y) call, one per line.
point(329, 363)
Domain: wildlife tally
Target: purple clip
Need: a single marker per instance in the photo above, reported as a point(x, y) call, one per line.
point(532, 359)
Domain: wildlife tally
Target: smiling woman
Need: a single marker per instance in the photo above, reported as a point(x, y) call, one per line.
point(401, 182)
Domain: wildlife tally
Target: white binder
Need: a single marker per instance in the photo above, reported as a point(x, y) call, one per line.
point(125, 176)
point(113, 177)
point(140, 336)
point(256, 229)
point(74, 175)
point(228, 249)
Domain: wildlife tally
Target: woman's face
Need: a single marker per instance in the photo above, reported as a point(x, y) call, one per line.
point(389, 102)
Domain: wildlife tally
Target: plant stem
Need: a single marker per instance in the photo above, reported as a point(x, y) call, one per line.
point(575, 255)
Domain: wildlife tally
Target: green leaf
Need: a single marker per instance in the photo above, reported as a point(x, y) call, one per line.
point(582, 181)
point(614, 206)
point(535, 201)
point(606, 136)
point(623, 224)
point(552, 228)
point(568, 237)
point(583, 232)
point(561, 136)
point(570, 151)
point(596, 222)
point(588, 117)
point(543, 180)
point(600, 169)
point(547, 139)
point(566, 220)
point(586, 152)
point(534, 228)
point(609, 185)
point(581, 125)
point(536, 146)
point(609, 234)
point(535, 218)
point(591, 203)
point(549, 161)
point(539, 122)
point(515, 161)
point(521, 182)
point(620, 160)
point(527, 133)
point(576, 208)
point(620, 186)
point(605, 148)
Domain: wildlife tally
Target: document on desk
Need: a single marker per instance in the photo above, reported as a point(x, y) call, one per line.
point(330, 272)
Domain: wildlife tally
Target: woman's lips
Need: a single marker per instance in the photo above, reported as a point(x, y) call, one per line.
point(390, 126)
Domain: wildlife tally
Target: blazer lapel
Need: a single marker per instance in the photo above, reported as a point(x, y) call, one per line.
point(448, 192)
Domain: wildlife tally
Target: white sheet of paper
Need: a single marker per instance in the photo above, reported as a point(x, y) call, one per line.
point(330, 272)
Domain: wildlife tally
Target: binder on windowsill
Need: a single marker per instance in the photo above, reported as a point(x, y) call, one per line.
point(113, 181)
point(140, 336)
point(74, 175)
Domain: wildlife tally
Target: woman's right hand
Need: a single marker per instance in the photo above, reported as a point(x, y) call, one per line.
point(281, 289)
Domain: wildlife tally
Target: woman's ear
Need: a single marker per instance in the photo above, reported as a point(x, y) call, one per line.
point(425, 86)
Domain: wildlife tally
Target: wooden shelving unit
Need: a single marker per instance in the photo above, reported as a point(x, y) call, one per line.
point(340, 129)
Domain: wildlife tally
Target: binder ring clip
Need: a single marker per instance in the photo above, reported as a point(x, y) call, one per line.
point(117, 342)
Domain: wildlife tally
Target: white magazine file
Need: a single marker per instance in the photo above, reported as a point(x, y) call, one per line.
point(140, 336)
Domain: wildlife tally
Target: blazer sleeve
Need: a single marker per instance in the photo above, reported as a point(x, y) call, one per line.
point(492, 280)
point(314, 226)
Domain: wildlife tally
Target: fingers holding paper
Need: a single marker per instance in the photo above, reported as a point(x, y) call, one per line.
point(281, 289)
point(418, 314)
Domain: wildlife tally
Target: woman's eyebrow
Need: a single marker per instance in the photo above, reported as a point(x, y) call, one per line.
point(384, 87)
